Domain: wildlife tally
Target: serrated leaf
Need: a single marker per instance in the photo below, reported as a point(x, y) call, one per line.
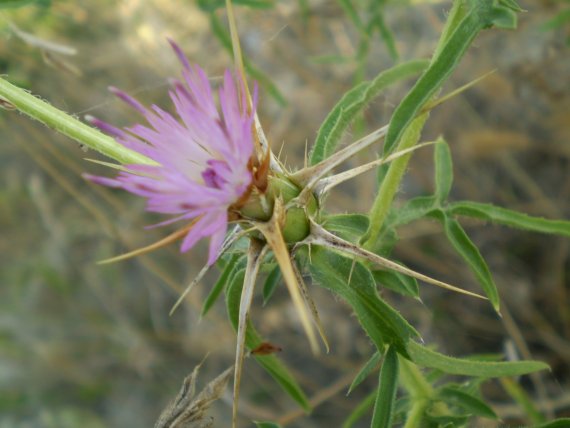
point(365, 370)
point(470, 253)
point(443, 170)
point(233, 265)
point(395, 281)
point(348, 226)
point(380, 321)
point(467, 402)
point(509, 218)
point(352, 103)
point(425, 357)
point(271, 283)
point(387, 388)
point(270, 363)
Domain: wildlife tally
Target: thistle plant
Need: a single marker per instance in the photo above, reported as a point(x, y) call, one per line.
point(210, 168)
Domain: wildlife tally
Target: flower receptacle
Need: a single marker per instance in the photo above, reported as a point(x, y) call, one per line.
point(295, 224)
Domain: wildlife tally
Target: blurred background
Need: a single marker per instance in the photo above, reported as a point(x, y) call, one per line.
point(94, 346)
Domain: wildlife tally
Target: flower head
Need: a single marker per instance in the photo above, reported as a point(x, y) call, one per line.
point(202, 153)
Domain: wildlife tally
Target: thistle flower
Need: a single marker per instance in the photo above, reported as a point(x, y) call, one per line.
point(203, 155)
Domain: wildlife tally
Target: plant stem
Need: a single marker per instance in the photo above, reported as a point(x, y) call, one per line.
point(67, 125)
point(420, 391)
point(410, 137)
point(391, 182)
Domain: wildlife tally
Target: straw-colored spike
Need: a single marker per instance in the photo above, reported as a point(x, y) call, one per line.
point(320, 236)
point(272, 233)
point(311, 305)
point(254, 258)
point(155, 246)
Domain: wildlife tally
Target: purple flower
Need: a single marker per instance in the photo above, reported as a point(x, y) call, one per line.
point(203, 155)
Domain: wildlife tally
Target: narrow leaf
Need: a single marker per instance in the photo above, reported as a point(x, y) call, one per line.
point(352, 103)
point(380, 321)
point(386, 396)
point(363, 373)
point(271, 284)
point(348, 226)
point(425, 357)
point(235, 263)
point(509, 218)
point(395, 281)
point(480, 15)
point(470, 253)
point(467, 402)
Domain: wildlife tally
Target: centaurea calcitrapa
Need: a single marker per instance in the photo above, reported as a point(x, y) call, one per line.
point(213, 168)
point(204, 157)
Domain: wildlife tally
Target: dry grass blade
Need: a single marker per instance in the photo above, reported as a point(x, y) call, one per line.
point(185, 411)
point(272, 233)
point(254, 258)
point(320, 236)
point(312, 307)
point(155, 246)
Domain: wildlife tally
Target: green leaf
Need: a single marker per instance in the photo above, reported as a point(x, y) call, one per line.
point(363, 373)
point(412, 210)
point(481, 14)
point(233, 265)
point(509, 218)
point(425, 357)
point(467, 402)
point(398, 282)
point(386, 397)
point(270, 363)
point(470, 253)
point(380, 321)
point(271, 283)
point(558, 423)
point(352, 103)
point(348, 226)
point(360, 410)
point(267, 425)
point(443, 170)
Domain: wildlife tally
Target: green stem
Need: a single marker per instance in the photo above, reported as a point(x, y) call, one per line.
point(391, 183)
point(68, 125)
point(412, 104)
point(420, 391)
